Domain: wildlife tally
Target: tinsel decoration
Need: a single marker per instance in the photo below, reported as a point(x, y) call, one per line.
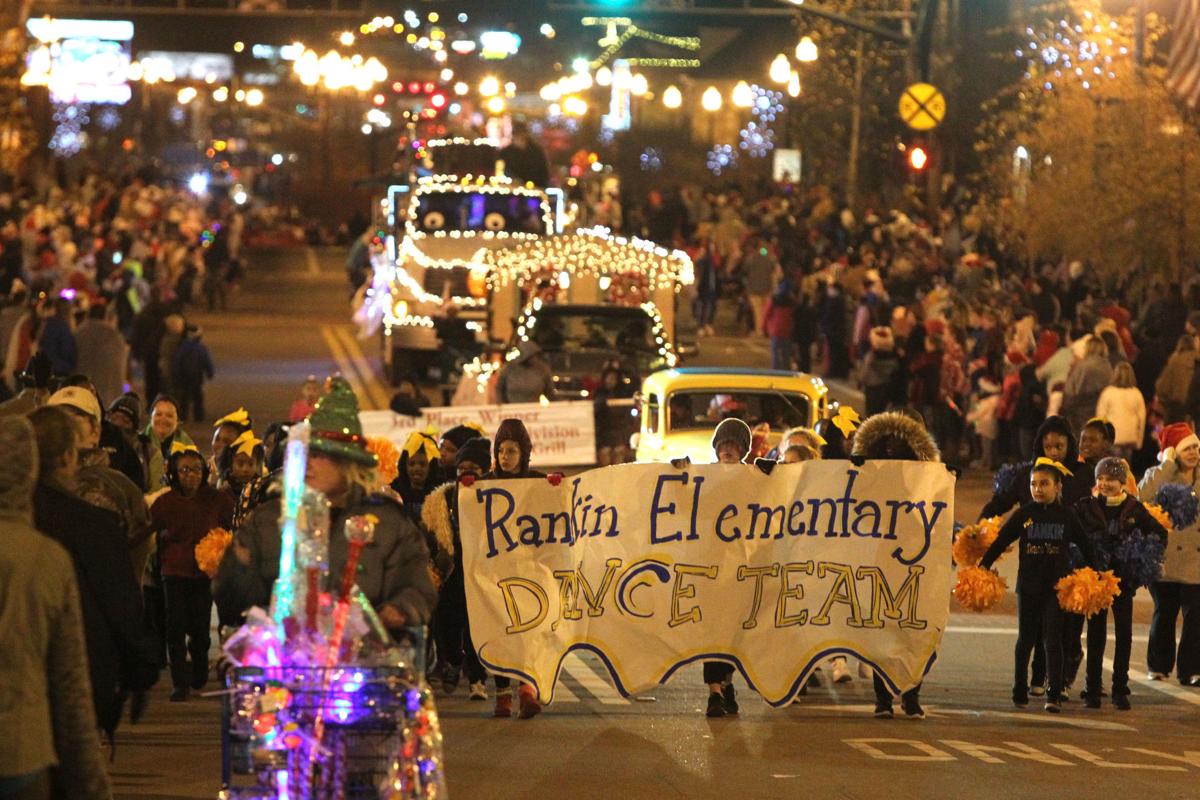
point(1180, 503)
point(978, 589)
point(211, 549)
point(416, 770)
point(1141, 557)
point(971, 543)
point(389, 458)
point(1087, 592)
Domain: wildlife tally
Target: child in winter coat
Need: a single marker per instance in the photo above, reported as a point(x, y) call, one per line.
point(193, 364)
point(1111, 518)
point(1045, 528)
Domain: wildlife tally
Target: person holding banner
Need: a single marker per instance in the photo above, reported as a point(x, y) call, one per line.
point(511, 450)
point(895, 436)
point(394, 568)
point(1044, 528)
point(731, 445)
point(451, 627)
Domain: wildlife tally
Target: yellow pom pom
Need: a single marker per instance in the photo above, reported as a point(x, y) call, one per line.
point(1087, 592)
point(1161, 516)
point(978, 589)
point(389, 458)
point(211, 549)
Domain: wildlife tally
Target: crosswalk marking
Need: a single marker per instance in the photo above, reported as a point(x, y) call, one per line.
point(598, 687)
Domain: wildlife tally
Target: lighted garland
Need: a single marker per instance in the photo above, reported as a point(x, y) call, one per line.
point(613, 43)
point(590, 252)
point(629, 289)
point(542, 285)
point(482, 186)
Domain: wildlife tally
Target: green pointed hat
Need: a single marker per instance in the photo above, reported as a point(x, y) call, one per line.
point(336, 430)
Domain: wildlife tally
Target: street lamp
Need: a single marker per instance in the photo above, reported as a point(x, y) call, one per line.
point(489, 86)
point(672, 98)
point(780, 69)
point(711, 99)
point(793, 84)
point(806, 50)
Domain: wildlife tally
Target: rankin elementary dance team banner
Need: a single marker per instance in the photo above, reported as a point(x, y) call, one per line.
point(653, 567)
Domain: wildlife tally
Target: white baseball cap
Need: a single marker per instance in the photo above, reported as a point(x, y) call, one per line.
point(78, 398)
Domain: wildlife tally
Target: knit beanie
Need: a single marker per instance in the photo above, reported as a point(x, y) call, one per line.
point(461, 434)
point(1112, 467)
point(478, 451)
point(336, 429)
point(732, 430)
point(19, 467)
point(129, 405)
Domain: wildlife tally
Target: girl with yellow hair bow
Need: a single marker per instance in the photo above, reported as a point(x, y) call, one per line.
point(419, 470)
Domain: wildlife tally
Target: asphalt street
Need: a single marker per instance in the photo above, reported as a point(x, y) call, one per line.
point(291, 319)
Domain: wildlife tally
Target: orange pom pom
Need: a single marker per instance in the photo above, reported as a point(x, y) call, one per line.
point(1087, 592)
point(973, 541)
point(978, 589)
point(211, 549)
point(1161, 516)
point(389, 458)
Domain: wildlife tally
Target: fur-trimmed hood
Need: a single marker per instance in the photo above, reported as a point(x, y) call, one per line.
point(435, 516)
point(892, 435)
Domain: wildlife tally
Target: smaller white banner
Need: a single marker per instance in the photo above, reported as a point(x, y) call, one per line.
point(563, 433)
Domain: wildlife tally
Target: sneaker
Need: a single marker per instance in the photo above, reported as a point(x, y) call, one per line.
point(716, 705)
point(1020, 697)
point(1037, 690)
point(478, 691)
point(450, 678)
point(179, 694)
point(1064, 696)
point(1192, 680)
point(1091, 699)
point(503, 704)
point(840, 673)
point(912, 709)
point(1120, 702)
point(530, 707)
point(1156, 676)
point(730, 702)
point(1053, 704)
point(883, 710)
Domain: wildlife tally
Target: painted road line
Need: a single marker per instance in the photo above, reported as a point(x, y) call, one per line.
point(310, 259)
point(1013, 632)
point(934, 712)
point(344, 366)
point(599, 687)
point(1165, 687)
point(563, 693)
point(379, 397)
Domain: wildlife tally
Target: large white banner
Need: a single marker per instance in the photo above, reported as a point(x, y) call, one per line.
point(563, 433)
point(653, 567)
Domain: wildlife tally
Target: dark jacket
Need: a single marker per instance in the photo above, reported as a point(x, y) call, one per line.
point(181, 522)
point(193, 363)
point(393, 569)
point(58, 342)
point(1044, 530)
point(1011, 484)
point(1106, 537)
point(118, 655)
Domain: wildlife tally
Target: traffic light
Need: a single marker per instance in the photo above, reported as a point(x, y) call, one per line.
point(917, 158)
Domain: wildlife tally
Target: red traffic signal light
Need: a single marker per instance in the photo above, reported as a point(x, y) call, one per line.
point(917, 158)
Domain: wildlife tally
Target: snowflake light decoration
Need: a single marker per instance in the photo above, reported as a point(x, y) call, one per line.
point(721, 158)
point(756, 140)
point(1087, 52)
point(108, 118)
point(651, 159)
point(69, 137)
point(768, 103)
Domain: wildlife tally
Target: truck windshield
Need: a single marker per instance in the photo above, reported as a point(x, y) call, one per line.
point(692, 410)
point(628, 332)
point(479, 211)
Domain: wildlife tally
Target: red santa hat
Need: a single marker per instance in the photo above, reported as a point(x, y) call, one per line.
point(1175, 437)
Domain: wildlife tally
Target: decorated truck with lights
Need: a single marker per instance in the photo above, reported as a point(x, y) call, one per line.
point(470, 259)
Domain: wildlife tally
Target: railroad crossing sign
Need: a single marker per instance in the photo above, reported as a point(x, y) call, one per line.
point(922, 106)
